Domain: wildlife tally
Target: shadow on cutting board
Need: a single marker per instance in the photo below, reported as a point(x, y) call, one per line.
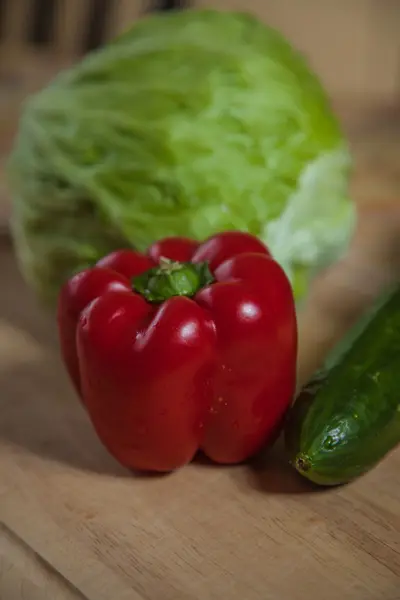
point(40, 416)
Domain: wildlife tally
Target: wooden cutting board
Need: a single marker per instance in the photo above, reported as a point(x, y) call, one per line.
point(75, 525)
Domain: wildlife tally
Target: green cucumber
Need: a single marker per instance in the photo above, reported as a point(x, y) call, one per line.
point(349, 419)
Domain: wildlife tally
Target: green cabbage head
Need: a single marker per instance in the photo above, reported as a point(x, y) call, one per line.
point(189, 123)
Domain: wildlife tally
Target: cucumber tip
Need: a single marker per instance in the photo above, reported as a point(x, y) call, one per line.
point(302, 463)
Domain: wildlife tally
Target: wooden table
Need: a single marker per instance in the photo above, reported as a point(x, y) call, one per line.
point(74, 525)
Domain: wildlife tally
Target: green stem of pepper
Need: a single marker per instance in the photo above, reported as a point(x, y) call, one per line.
point(170, 279)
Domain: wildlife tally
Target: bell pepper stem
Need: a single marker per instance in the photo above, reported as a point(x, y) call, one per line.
point(170, 278)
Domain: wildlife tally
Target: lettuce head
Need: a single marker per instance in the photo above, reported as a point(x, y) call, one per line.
point(189, 123)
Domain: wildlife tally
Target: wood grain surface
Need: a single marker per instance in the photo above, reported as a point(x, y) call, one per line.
point(76, 525)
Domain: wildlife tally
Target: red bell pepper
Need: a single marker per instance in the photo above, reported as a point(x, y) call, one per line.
point(187, 347)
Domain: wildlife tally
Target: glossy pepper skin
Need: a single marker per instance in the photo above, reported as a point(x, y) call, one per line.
point(212, 369)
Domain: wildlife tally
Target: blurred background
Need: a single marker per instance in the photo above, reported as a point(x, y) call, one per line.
point(354, 45)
